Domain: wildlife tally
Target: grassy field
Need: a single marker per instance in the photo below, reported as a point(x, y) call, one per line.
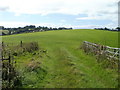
point(65, 65)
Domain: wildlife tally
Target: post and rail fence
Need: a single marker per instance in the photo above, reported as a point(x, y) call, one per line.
point(106, 51)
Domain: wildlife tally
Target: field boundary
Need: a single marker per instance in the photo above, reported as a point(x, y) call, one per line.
point(102, 51)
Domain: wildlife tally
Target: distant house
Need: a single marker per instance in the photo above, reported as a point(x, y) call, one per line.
point(1, 34)
point(0, 27)
point(1, 30)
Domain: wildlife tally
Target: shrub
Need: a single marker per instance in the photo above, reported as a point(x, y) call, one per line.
point(30, 47)
point(25, 47)
point(33, 65)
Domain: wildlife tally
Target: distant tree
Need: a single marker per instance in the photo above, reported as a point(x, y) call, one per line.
point(106, 28)
point(1, 28)
point(62, 28)
point(3, 33)
point(50, 28)
point(19, 28)
point(118, 28)
point(55, 29)
point(9, 32)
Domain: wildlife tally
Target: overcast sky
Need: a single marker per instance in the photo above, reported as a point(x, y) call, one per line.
point(59, 13)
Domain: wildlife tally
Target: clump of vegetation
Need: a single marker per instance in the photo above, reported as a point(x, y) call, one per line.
point(33, 73)
point(30, 47)
point(33, 65)
point(10, 76)
point(100, 51)
point(24, 48)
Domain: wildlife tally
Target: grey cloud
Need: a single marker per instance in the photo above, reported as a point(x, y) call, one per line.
point(4, 8)
point(109, 12)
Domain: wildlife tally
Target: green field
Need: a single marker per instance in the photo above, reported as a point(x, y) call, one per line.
point(66, 65)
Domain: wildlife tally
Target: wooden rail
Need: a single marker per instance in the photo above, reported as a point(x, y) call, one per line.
point(108, 52)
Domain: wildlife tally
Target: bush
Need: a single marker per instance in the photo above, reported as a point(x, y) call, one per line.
point(33, 65)
point(30, 47)
point(25, 47)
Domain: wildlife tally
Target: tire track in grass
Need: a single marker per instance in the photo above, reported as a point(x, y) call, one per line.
point(80, 76)
point(66, 74)
point(96, 76)
point(65, 70)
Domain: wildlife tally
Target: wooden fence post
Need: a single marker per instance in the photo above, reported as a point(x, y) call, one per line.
point(9, 69)
point(2, 44)
point(21, 43)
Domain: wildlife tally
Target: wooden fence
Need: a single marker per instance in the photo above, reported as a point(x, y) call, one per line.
point(0, 66)
point(9, 69)
point(7, 65)
point(102, 51)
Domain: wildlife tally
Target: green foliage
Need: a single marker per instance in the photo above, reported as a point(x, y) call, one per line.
point(33, 74)
point(30, 47)
point(12, 79)
point(26, 47)
point(13, 76)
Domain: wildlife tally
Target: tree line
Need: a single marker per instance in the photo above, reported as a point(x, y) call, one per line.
point(30, 28)
point(116, 29)
point(33, 28)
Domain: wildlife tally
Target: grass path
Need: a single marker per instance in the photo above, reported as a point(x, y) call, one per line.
point(64, 70)
point(70, 71)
